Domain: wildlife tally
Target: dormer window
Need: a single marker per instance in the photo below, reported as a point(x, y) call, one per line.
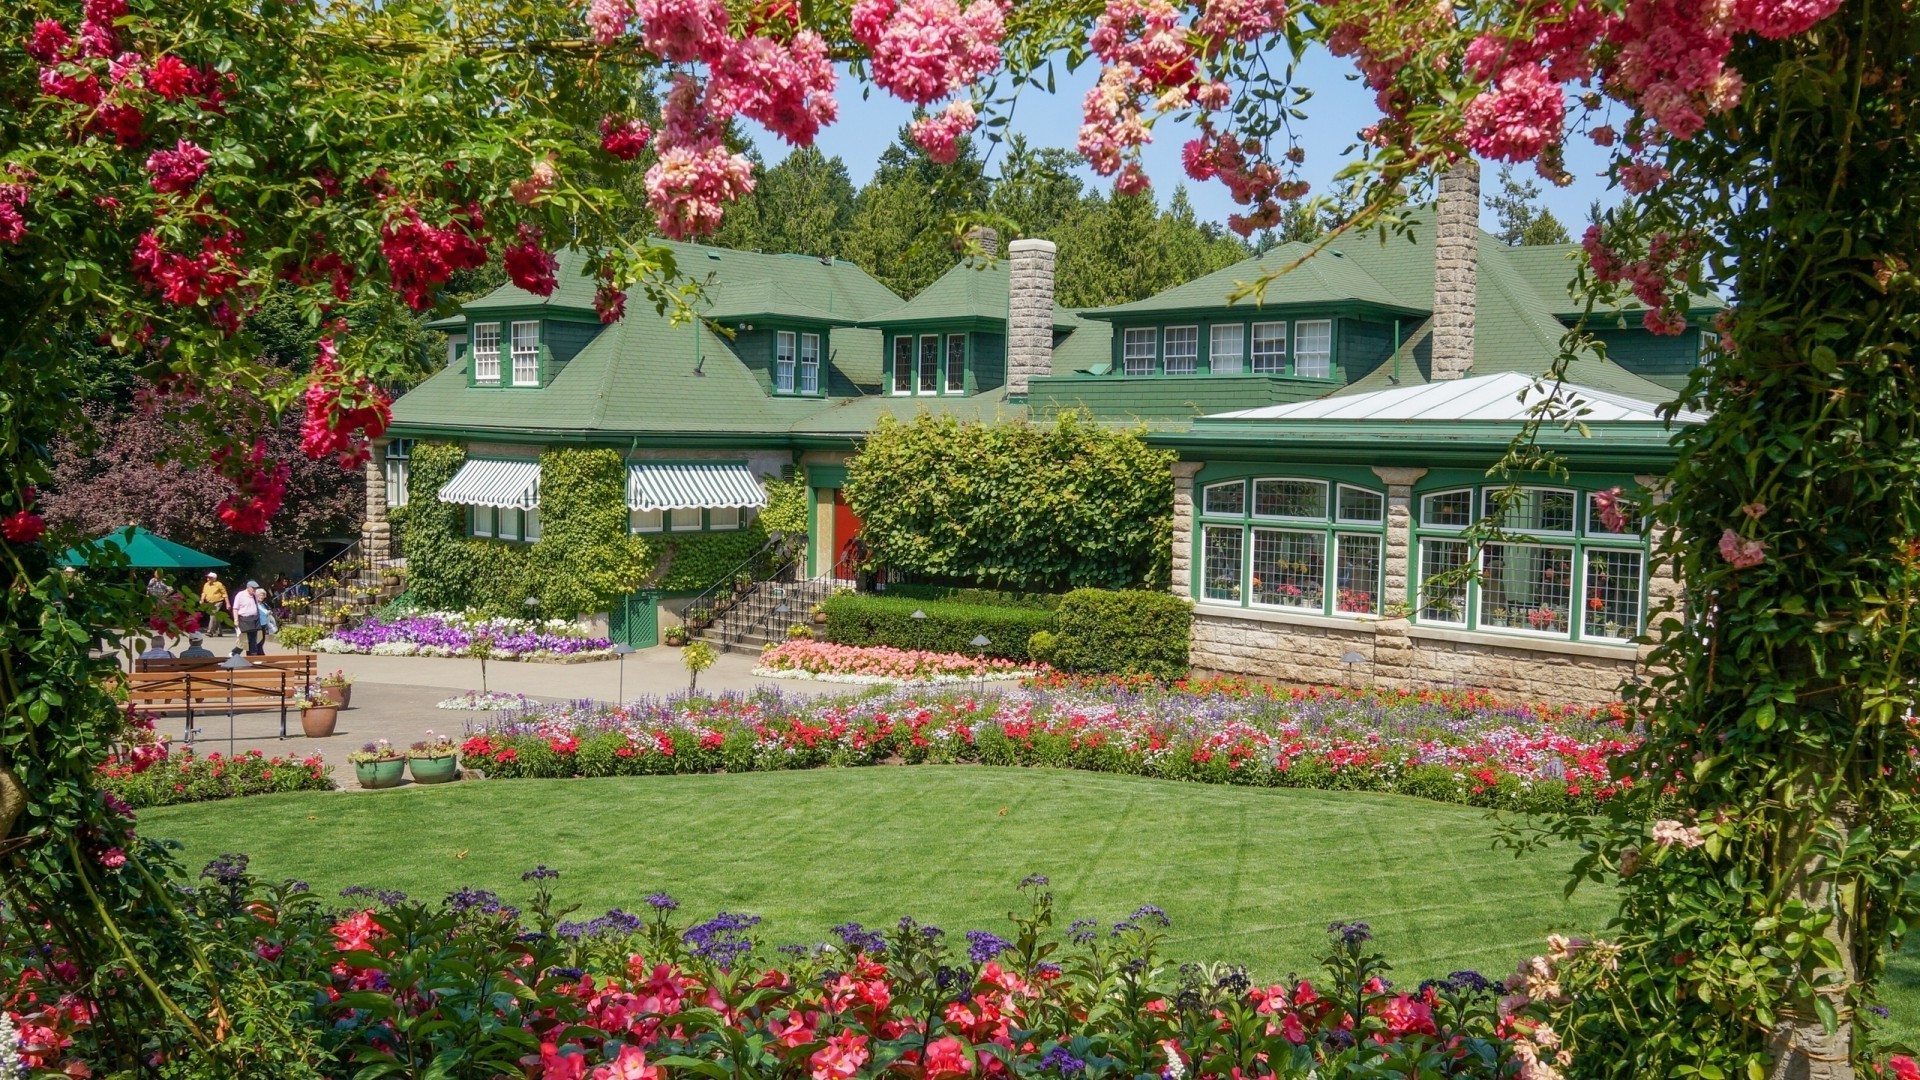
point(526, 354)
point(1313, 348)
point(1137, 351)
point(956, 363)
point(929, 363)
point(903, 365)
point(1228, 343)
point(809, 363)
point(1270, 348)
point(784, 349)
point(486, 352)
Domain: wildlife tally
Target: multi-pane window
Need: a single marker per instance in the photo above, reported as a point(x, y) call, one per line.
point(903, 365)
point(1270, 348)
point(480, 520)
point(809, 363)
point(526, 354)
point(684, 519)
point(930, 364)
point(399, 453)
point(1709, 345)
point(1313, 348)
point(486, 352)
point(956, 363)
point(723, 518)
point(503, 523)
point(1136, 351)
point(1183, 350)
point(785, 346)
point(1302, 544)
point(645, 521)
point(1565, 563)
point(1227, 349)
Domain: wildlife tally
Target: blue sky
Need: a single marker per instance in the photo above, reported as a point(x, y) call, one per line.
point(1340, 107)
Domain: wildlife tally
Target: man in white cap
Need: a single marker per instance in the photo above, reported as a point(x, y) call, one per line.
point(214, 595)
point(246, 618)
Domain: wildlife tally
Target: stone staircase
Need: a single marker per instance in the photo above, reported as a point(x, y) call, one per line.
point(761, 615)
point(345, 590)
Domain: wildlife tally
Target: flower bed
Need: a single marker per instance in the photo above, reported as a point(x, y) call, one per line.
point(448, 633)
point(489, 701)
point(1452, 747)
point(148, 779)
point(876, 665)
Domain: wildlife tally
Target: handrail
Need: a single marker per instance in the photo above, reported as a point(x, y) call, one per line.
point(704, 599)
point(797, 560)
point(321, 569)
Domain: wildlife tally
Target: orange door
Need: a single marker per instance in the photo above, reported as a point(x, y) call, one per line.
point(846, 534)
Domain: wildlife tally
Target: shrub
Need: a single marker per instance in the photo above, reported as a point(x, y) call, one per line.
point(1042, 645)
point(1122, 633)
point(299, 638)
point(949, 627)
point(961, 594)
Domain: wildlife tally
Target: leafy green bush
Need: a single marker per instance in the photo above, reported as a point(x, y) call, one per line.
point(1028, 506)
point(299, 638)
point(988, 597)
point(949, 627)
point(1122, 633)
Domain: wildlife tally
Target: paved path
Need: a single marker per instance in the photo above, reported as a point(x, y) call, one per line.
point(394, 697)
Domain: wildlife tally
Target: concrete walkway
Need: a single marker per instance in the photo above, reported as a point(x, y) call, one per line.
point(394, 697)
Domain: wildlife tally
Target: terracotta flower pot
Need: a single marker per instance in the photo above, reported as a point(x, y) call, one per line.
point(339, 695)
point(434, 770)
point(380, 774)
point(820, 617)
point(318, 721)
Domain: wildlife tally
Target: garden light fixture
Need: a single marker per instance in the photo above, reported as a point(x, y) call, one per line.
point(1353, 657)
point(231, 664)
point(622, 650)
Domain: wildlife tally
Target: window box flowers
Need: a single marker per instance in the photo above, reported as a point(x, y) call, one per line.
point(434, 760)
point(378, 765)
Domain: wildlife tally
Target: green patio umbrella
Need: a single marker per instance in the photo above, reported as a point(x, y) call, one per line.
point(145, 551)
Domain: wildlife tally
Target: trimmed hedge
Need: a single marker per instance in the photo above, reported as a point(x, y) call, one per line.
point(1097, 631)
point(949, 626)
point(961, 594)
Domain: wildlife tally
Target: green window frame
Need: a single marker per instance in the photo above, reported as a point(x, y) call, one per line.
point(1560, 574)
point(689, 519)
point(1307, 544)
point(1139, 350)
point(509, 524)
point(903, 364)
point(956, 364)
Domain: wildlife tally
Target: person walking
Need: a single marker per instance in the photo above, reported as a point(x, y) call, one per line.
point(246, 618)
point(214, 595)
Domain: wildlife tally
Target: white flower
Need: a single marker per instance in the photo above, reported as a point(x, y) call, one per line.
point(11, 1064)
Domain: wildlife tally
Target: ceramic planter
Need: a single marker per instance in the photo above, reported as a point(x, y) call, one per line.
point(318, 720)
point(434, 770)
point(339, 695)
point(380, 774)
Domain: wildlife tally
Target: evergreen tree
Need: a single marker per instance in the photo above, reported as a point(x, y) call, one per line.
point(1121, 248)
point(903, 219)
point(805, 204)
point(1523, 222)
point(1036, 191)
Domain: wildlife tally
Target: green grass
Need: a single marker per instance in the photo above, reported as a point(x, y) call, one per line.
point(1252, 876)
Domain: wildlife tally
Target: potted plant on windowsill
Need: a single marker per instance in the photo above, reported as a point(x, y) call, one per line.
point(435, 760)
point(318, 714)
point(337, 687)
point(378, 765)
point(675, 636)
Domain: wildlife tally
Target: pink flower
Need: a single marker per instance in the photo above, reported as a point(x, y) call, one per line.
point(939, 135)
point(922, 50)
point(177, 169)
point(846, 1052)
point(555, 1065)
point(113, 858)
point(171, 77)
point(1740, 551)
point(422, 257)
point(683, 31)
point(1408, 1015)
point(539, 179)
point(788, 88)
point(946, 1057)
point(630, 1065)
point(1612, 515)
point(531, 266)
point(49, 41)
point(13, 212)
point(1782, 18)
point(1520, 118)
point(610, 303)
point(608, 19)
point(1903, 1067)
point(689, 189)
point(623, 138)
point(1667, 832)
point(1754, 510)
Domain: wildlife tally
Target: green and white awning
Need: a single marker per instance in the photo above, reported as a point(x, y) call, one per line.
point(502, 484)
point(684, 487)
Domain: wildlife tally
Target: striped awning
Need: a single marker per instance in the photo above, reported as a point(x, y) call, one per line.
point(483, 482)
point(682, 487)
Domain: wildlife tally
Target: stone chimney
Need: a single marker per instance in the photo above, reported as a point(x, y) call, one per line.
point(988, 238)
point(1456, 251)
point(1029, 314)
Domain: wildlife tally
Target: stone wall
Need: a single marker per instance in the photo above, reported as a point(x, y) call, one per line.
point(1030, 314)
point(376, 533)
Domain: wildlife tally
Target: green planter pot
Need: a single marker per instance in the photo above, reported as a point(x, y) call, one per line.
point(380, 774)
point(434, 770)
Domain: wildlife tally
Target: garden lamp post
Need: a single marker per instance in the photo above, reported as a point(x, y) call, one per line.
point(1353, 657)
point(622, 650)
point(919, 629)
point(980, 643)
point(231, 664)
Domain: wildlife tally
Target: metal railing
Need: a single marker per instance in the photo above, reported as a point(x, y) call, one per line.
point(704, 600)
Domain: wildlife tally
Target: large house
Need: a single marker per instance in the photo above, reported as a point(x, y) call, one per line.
point(1333, 437)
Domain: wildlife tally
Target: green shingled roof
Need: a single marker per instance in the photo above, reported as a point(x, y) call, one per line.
point(968, 291)
point(765, 300)
point(1327, 278)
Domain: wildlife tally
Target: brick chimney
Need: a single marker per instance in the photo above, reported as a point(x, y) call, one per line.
point(1029, 314)
point(988, 238)
point(1456, 251)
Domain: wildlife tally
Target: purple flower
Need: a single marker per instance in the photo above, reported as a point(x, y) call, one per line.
point(1061, 1061)
point(1083, 931)
point(722, 939)
point(983, 946)
point(1353, 933)
point(539, 873)
point(662, 902)
point(859, 939)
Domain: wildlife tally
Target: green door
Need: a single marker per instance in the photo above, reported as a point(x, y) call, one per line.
point(636, 620)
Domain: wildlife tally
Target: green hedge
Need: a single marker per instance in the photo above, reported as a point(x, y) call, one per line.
point(960, 594)
point(949, 626)
point(1096, 631)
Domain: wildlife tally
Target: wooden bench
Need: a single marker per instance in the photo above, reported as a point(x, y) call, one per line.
point(303, 667)
point(198, 690)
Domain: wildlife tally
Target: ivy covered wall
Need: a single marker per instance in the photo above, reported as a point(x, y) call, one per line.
point(585, 559)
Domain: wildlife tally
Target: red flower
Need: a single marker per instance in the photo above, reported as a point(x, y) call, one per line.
point(422, 257)
point(177, 169)
point(531, 266)
point(610, 302)
point(49, 41)
point(23, 527)
point(624, 139)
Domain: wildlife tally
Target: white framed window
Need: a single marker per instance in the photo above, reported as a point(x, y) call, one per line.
point(486, 352)
point(784, 347)
point(482, 521)
point(1227, 345)
point(929, 363)
point(1183, 350)
point(809, 363)
point(1709, 345)
point(723, 518)
point(903, 365)
point(1303, 499)
point(1289, 568)
point(1527, 587)
point(1270, 348)
point(1229, 498)
point(1137, 351)
point(396, 467)
point(1356, 573)
point(1313, 348)
point(1222, 554)
point(1359, 505)
point(526, 354)
point(956, 363)
point(684, 519)
point(645, 521)
point(1447, 509)
point(1631, 521)
point(532, 521)
point(1610, 600)
point(509, 523)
